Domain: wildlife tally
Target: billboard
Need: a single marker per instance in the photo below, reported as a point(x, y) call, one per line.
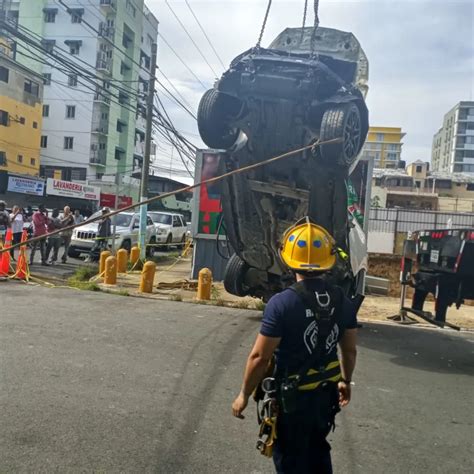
point(17, 184)
point(58, 187)
point(207, 209)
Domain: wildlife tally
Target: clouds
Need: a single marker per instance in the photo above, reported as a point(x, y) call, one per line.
point(420, 53)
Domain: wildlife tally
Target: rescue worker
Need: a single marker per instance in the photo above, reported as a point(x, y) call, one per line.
point(102, 238)
point(303, 325)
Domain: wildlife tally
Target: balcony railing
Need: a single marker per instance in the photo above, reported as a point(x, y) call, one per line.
point(100, 97)
point(100, 127)
point(106, 31)
point(98, 157)
point(107, 4)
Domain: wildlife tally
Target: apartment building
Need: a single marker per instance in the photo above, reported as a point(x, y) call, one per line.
point(384, 146)
point(453, 144)
point(93, 128)
point(20, 117)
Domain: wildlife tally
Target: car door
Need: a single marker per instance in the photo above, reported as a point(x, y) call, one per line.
point(176, 229)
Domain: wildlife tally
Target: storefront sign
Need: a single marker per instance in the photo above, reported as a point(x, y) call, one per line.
point(108, 200)
point(16, 184)
point(58, 187)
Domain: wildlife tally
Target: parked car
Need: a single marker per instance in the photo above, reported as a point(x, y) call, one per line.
point(170, 227)
point(126, 234)
point(269, 102)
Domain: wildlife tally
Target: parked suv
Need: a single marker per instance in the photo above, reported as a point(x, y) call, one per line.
point(308, 86)
point(171, 228)
point(126, 224)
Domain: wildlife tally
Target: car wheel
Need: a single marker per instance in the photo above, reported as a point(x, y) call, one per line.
point(127, 245)
point(73, 253)
point(150, 250)
point(213, 117)
point(341, 121)
point(234, 276)
point(182, 242)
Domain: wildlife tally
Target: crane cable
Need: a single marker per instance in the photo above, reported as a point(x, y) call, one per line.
point(264, 24)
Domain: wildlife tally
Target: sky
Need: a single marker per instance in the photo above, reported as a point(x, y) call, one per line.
point(420, 52)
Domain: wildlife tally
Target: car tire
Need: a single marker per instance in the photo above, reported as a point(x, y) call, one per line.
point(234, 276)
point(182, 242)
point(73, 253)
point(150, 251)
point(214, 113)
point(127, 245)
point(169, 241)
point(341, 121)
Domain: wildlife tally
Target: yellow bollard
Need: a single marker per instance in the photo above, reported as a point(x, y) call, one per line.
point(110, 277)
point(103, 257)
point(122, 260)
point(148, 277)
point(204, 284)
point(134, 255)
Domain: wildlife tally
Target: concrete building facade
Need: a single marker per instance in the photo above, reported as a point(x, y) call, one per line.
point(21, 93)
point(93, 129)
point(453, 144)
point(384, 146)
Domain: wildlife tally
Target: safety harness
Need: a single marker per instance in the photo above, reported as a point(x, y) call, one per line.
point(325, 306)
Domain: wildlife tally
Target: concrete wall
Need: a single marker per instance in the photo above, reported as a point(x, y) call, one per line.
point(380, 242)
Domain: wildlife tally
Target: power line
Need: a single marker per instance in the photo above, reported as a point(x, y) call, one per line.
point(205, 34)
point(192, 40)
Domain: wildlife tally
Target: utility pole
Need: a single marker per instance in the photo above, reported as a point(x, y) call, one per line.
point(146, 158)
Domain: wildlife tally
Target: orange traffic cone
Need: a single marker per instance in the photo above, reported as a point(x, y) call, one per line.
point(21, 265)
point(5, 256)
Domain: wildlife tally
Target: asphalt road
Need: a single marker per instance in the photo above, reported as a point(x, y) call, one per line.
point(92, 382)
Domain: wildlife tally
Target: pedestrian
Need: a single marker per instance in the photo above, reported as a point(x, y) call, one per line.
point(40, 222)
point(54, 241)
point(4, 220)
point(78, 217)
point(67, 221)
point(16, 219)
point(303, 326)
point(102, 237)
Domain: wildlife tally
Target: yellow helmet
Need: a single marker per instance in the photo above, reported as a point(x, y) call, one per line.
point(308, 247)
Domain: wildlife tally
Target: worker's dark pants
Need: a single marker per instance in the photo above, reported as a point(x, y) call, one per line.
point(99, 245)
point(16, 240)
point(301, 446)
point(42, 246)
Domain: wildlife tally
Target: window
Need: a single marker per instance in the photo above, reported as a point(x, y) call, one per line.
point(50, 16)
point(19, 158)
point(48, 45)
point(47, 79)
point(68, 143)
point(35, 124)
point(74, 48)
point(31, 87)
point(78, 174)
point(380, 137)
point(391, 156)
point(123, 98)
point(102, 146)
point(120, 126)
point(45, 110)
point(76, 15)
point(22, 120)
point(418, 184)
point(118, 153)
point(3, 158)
point(70, 111)
point(72, 80)
point(44, 141)
point(33, 161)
point(4, 74)
point(470, 187)
point(419, 168)
point(4, 118)
point(131, 8)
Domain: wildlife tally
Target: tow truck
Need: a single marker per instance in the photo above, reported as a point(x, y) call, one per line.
point(440, 262)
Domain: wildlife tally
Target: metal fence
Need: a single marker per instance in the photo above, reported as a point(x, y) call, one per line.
point(409, 220)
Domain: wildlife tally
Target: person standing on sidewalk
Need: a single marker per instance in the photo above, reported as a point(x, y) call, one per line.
point(4, 220)
point(16, 219)
point(304, 325)
point(103, 234)
point(78, 217)
point(40, 229)
point(54, 241)
point(67, 221)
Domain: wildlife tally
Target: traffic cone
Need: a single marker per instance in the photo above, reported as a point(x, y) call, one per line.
point(5, 256)
point(21, 265)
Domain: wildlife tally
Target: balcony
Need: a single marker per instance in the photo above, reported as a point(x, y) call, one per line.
point(140, 124)
point(107, 5)
point(101, 127)
point(103, 63)
point(98, 157)
point(106, 31)
point(139, 149)
point(101, 98)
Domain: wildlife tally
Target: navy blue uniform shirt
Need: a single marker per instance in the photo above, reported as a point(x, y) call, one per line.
point(287, 317)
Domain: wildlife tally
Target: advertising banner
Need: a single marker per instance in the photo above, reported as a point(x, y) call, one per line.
point(17, 184)
point(58, 187)
point(109, 200)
